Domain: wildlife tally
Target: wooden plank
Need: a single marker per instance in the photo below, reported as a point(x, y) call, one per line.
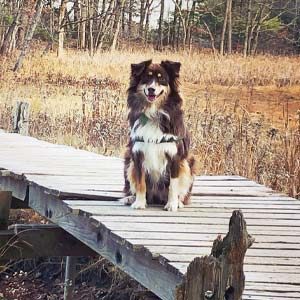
point(284, 261)
point(209, 243)
point(272, 287)
point(162, 250)
point(159, 212)
point(176, 238)
point(250, 268)
point(135, 261)
point(197, 228)
point(198, 220)
point(19, 188)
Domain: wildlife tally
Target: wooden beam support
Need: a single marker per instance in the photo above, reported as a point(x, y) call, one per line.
point(137, 261)
point(220, 276)
point(36, 240)
point(70, 276)
point(5, 202)
point(18, 187)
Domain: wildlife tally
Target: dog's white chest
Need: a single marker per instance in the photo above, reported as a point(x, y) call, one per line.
point(148, 139)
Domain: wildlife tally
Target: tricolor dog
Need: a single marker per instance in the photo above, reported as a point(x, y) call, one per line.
point(158, 168)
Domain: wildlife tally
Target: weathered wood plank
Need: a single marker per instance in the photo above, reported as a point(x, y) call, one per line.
point(251, 268)
point(271, 260)
point(135, 261)
point(197, 220)
point(196, 228)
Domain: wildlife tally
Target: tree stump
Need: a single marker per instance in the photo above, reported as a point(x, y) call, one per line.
point(5, 202)
point(21, 118)
point(220, 275)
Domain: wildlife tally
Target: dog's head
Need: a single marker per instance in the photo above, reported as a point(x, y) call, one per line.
point(154, 82)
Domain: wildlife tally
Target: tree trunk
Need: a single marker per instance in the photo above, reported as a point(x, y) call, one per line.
point(117, 24)
point(220, 275)
point(76, 21)
point(130, 17)
point(148, 12)
point(249, 7)
point(224, 28)
point(229, 42)
point(83, 24)
point(190, 23)
point(212, 40)
point(160, 25)
point(29, 34)
point(10, 36)
point(142, 18)
point(91, 23)
point(61, 28)
point(105, 20)
point(173, 38)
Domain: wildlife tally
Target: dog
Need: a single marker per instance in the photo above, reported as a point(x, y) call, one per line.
point(158, 168)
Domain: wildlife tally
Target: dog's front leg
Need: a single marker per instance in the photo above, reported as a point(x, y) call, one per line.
point(138, 183)
point(173, 196)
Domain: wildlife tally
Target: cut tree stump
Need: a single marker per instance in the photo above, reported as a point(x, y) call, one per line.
point(220, 276)
point(21, 118)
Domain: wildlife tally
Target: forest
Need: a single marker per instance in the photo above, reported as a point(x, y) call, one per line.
point(225, 27)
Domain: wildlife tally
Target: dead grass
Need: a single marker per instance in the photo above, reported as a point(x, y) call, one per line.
point(242, 112)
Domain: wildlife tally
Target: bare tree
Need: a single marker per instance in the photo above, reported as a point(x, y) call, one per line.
point(249, 13)
point(61, 28)
point(29, 34)
point(10, 37)
point(160, 25)
point(226, 15)
point(119, 8)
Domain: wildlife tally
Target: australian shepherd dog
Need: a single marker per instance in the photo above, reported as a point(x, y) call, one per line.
point(158, 168)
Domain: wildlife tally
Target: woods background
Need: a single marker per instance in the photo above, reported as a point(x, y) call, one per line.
point(246, 26)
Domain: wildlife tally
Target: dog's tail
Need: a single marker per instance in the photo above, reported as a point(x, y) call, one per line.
point(193, 165)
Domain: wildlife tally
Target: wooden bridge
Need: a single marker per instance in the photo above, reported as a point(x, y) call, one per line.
point(79, 191)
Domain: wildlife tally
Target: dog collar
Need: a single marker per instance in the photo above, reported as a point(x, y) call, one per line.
point(163, 140)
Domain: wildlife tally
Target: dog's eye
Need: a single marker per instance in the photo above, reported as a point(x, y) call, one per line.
point(150, 73)
point(159, 75)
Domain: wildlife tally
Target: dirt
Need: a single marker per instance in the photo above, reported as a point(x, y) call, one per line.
point(279, 106)
point(43, 278)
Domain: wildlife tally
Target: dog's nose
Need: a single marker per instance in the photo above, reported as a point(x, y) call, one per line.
point(151, 91)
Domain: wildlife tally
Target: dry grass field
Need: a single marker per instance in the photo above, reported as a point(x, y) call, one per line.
point(243, 113)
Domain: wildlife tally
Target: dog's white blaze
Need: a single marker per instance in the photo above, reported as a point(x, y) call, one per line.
point(155, 161)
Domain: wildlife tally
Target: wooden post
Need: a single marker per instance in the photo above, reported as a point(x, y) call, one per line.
point(220, 276)
point(70, 276)
point(5, 202)
point(21, 118)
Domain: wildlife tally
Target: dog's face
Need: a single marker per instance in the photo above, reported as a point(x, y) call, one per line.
point(154, 82)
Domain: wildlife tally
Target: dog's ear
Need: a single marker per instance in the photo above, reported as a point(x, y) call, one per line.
point(172, 68)
point(137, 69)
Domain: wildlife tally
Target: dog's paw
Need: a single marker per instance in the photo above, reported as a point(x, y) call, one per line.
point(138, 204)
point(180, 204)
point(128, 200)
point(172, 206)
